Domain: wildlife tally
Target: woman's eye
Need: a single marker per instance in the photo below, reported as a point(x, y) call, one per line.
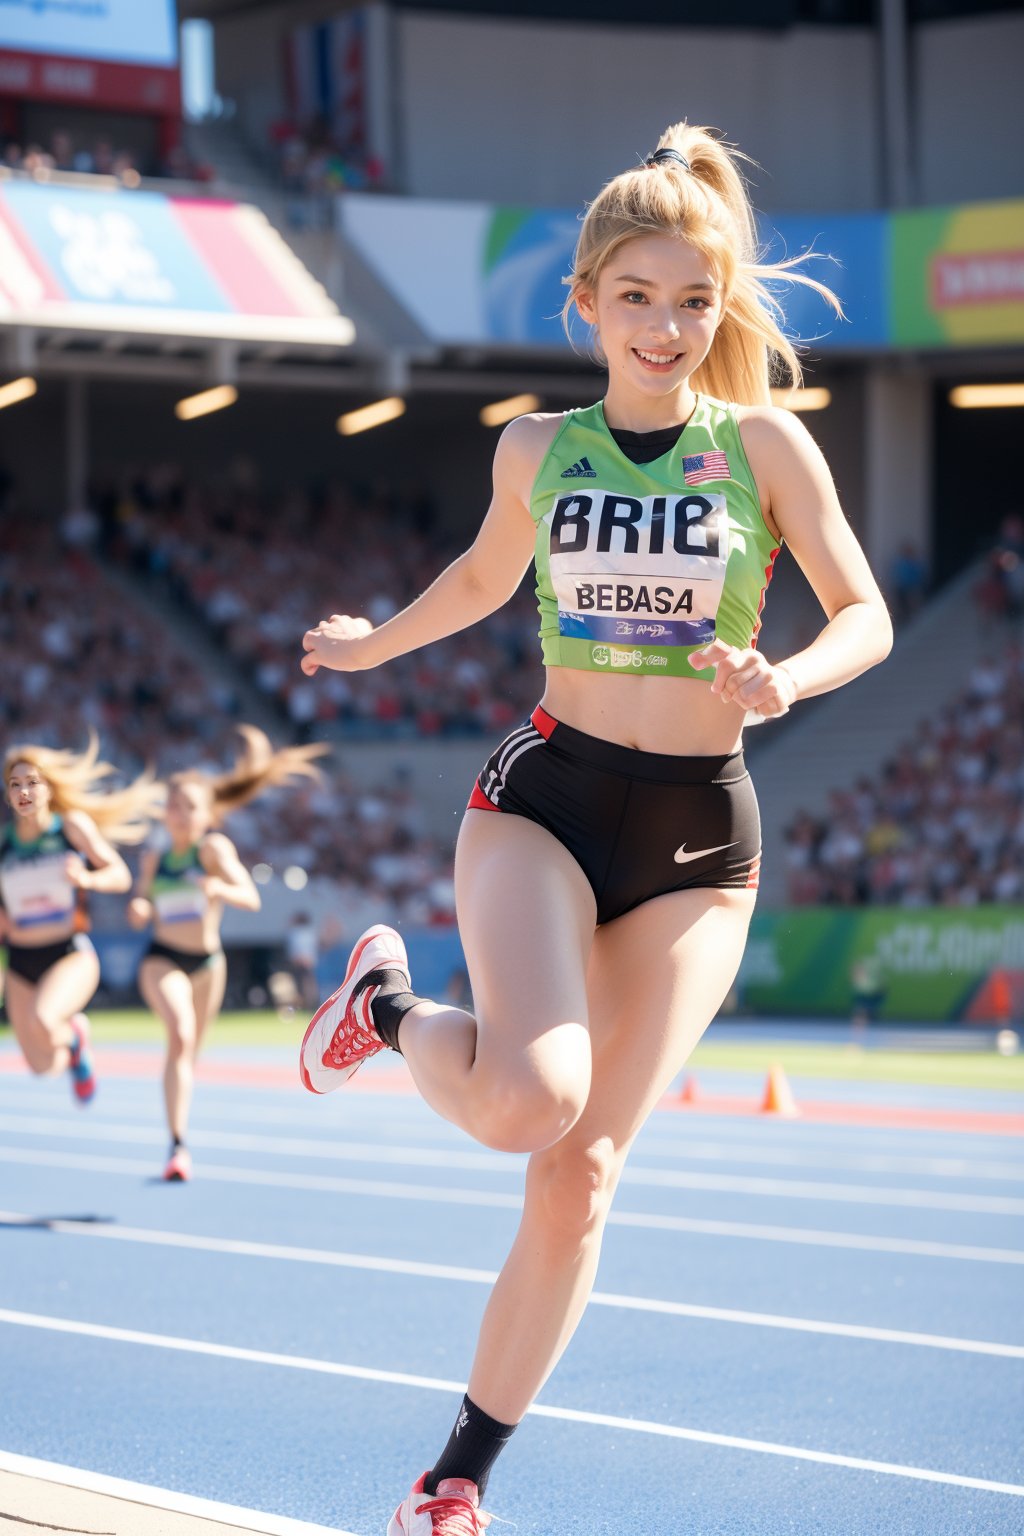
point(635, 296)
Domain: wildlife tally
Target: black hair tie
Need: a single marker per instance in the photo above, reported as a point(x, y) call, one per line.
point(661, 155)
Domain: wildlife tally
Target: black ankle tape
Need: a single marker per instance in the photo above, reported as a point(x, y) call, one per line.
point(391, 1004)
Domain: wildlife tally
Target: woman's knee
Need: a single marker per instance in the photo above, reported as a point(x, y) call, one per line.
point(528, 1114)
point(570, 1188)
point(181, 1039)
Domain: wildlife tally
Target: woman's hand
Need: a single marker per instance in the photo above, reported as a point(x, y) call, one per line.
point(746, 679)
point(76, 871)
point(140, 912)
point(335, 643)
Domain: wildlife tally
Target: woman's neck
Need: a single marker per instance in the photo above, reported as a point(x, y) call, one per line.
point(627, 412)
point(28, 828)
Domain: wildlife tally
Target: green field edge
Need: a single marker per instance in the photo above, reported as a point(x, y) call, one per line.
point(982, 1069)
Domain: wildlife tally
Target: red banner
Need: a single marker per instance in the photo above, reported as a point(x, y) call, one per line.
point(131, 87)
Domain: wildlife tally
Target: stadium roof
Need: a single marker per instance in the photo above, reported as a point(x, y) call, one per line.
point(768, 14)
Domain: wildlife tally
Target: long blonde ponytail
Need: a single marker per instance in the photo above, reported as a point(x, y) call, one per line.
point(698, 193)
point(122, 815)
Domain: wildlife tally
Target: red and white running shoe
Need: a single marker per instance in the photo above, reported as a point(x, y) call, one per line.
point(341, 1034)
point(83, 1076)
point(179, 1166)
point(454, 1510)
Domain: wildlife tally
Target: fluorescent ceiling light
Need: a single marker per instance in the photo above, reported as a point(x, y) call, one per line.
point(802, 399)
point(368, 416)
point(207, 400)
point(500, 411)
point(967, 397)
point(17, 390)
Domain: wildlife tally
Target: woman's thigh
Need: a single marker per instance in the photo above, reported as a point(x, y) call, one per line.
point(208, 987)
point(526, 918)
point(167, 992)
point(657, 977)
point(68, 986)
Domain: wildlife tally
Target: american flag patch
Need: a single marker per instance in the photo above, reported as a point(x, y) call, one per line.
point(698, 467)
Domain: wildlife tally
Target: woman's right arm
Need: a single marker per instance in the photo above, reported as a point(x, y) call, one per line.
point(140, 908)
point(474, 585)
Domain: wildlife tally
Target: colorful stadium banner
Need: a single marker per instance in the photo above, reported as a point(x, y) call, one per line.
point(109, 53)
point(932, 965)
point(337, 72)
point(472, 272)
point(143, 262)
point(958, 276)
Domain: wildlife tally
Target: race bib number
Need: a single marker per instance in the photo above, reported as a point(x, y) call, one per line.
point(629, 570)
point(183, 904)
point(37, 892)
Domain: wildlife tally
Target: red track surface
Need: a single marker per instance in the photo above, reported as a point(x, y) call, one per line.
point(395, 1079)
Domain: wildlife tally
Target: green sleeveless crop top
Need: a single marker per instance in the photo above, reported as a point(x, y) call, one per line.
point(640, 564)
point(177, 890)
point(34, 890)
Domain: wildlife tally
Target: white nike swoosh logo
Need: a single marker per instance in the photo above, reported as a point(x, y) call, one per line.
point(682, 857)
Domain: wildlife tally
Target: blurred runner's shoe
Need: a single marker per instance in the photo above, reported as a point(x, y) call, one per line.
point(341, 1034)
point(83, 1078)
point(454, 1510)
point(179, 1166)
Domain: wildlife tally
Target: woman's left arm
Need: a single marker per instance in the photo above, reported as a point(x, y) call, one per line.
point(96, 864)
point(800, 503)
point(227, 878)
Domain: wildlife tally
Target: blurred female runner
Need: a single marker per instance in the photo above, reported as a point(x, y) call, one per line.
point(607, 867)
point(183, 891)
point(59, 845)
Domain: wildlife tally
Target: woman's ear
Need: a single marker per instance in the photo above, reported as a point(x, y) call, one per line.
point(583, 298)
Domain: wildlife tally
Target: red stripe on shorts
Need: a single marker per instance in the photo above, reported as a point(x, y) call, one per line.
point(543, 722)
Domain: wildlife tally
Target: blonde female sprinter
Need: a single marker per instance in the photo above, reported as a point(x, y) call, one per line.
point(58, 846)
point(182, 891)
point(608, 863)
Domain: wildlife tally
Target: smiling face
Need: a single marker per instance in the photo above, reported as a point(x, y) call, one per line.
point(189, 813)
point(656, 306)
point(28, 793)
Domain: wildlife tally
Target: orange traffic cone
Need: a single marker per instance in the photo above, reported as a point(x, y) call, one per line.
point(690, 1092)
point(778, 1095)
point(1002, 997)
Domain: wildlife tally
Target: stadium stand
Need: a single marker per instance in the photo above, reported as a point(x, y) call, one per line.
point(81, 657)
point(257, 571)
point(942, 824)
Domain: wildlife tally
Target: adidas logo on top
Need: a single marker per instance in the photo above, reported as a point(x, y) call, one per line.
point(580, 471)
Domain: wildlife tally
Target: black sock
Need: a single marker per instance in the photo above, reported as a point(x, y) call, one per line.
point(391, 1004)
point(474, 1445)
point(176, 1142)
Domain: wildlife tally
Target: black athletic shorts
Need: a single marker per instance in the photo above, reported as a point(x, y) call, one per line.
point(187, 960)
point(32, 961)
point(639, 824)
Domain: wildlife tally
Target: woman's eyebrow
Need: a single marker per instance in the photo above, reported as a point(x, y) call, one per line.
point(646, 282)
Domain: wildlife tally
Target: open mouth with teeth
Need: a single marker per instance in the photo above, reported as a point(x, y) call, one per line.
point(659, 362)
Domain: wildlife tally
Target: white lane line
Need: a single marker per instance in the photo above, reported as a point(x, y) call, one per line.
point(505, 1164)
point(436, 1384)
point(755, 1135)
point(378, 1189)
point(753, 1152)
point(251, 1520)
point(379, 1265)
point(654, 1140)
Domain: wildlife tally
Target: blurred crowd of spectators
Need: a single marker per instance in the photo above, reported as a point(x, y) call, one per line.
point(943, 824)
point(80, 655)
point(311, 161)
point(99, 156)
point(1000, 592)
point(258, 571)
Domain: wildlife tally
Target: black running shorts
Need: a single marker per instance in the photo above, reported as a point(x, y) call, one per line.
point(639, 824)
